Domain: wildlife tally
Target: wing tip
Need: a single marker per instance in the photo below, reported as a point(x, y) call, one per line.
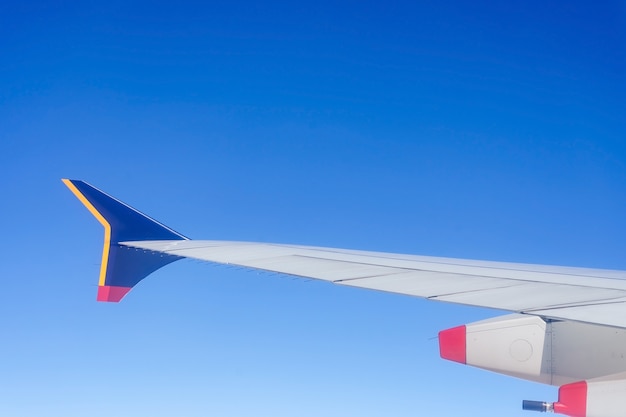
point(120, 269)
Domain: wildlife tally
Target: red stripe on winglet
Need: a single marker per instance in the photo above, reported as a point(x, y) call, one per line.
point(452, 344)
point(111, 293)
point(572, 400)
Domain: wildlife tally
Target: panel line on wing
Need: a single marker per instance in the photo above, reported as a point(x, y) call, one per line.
point(494, 265)
point(530, 281)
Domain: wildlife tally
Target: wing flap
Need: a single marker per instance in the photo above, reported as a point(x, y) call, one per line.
point(427, 284)
point(609, 313)
point(530, 296)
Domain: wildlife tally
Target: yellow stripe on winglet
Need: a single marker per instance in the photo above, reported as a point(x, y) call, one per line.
point(102, 220)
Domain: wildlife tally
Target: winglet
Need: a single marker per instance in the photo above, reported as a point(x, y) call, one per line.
point(122, 267)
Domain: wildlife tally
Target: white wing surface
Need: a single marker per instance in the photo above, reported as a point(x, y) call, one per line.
point(579, 294)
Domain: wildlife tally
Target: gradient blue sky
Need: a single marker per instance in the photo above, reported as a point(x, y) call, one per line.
point(467, 129)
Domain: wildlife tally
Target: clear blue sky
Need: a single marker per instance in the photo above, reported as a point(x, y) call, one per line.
point(447, 128)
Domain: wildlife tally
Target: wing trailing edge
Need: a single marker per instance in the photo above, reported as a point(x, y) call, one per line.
point(122, 267)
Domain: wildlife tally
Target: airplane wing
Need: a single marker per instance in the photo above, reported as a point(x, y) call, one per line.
point(586, 295)
point(569, 328)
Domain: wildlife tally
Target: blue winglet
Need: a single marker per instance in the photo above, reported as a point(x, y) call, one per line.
point(122, 267)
